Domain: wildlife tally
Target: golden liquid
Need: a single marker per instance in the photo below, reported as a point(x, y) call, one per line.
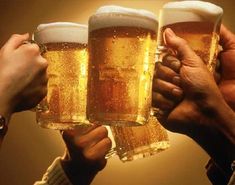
point(67, 86)
point(140, 141)
point(203, 38)
point(121, 64)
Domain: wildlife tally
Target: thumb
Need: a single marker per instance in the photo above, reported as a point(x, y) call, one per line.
point(184, 51)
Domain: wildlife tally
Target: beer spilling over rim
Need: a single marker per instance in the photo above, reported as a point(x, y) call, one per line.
point(113, 16)
point(61, 32)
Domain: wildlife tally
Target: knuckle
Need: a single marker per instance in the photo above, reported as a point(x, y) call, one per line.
point(81, 142)
point(166, 57)
point(156, 99)
point(154, 85)
point(43, 63)
point(158, 66)
point(158, 83)
point(41, 66)
point(103, 131)
point(32, 49)
point(107, 142)
point(15, 36)
point(182, 41)
point(90, 155)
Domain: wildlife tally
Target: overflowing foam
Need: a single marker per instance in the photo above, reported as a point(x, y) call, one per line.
point(61, 32)
point(183, 11)
point(113, 16)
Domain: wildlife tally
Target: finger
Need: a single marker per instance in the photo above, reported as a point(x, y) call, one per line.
point(186, 54)
point(165, 73)
point(91, 138)
point(217, 77)
point(78, 131)
point(227, 38)
point(78, 137)
point(159, 101)
point(31, 48)
point(217, 72)
point(171, 62)
point(99, 150)
point(15, 41)
point(167, 89)
point(68, 137)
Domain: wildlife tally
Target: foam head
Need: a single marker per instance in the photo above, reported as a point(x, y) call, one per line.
point(61, 32)
point(183, 11)
point(113, 16)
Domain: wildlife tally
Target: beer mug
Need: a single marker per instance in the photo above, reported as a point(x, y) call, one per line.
point(122, 45)
point(66, 52)
point(198, 23)
point(140, 141)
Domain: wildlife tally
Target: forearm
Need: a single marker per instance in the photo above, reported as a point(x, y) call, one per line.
point(218, 147)
point(216, 135)
point(226, 122)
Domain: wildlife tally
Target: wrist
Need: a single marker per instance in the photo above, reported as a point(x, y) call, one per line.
point(218, 147)
point(215, 134)
point(6, 105)
point(219, 114)
point(224, 120)
point(55, 174)
point(77, 173)
point(5, 115)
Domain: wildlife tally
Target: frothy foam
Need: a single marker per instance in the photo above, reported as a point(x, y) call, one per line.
point(61, 32)
point(183, 11)
point(112, 16)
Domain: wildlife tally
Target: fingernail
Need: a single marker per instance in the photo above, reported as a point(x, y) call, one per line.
point(169, 32)
point(176, 80)
point(177, 92)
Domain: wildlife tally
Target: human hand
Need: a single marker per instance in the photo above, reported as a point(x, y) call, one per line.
point(202, 114)
point(227, 60)
point(22, 75)
point(200, 89)
point(166, 84)
point(86, 150)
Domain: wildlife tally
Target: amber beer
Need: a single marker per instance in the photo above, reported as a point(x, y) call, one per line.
point(122, 45)
point(198, 23)
point(140, 141)
point(66, 51)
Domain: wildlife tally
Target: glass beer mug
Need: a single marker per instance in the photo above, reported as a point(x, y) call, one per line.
point(138, 142)
point(66, 52)
point(198, 23)
point(122, 45)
